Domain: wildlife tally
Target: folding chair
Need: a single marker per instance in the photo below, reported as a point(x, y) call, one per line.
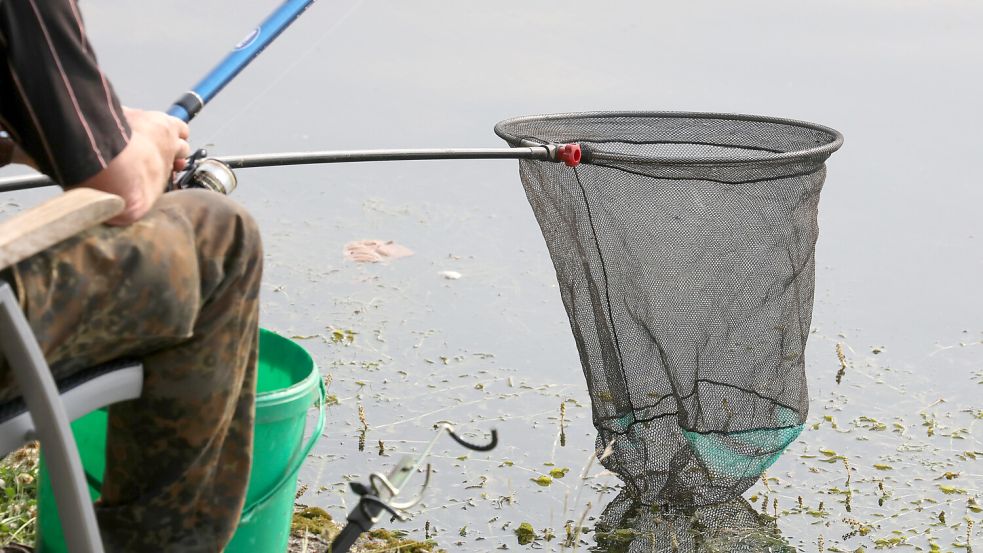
point(47, 407)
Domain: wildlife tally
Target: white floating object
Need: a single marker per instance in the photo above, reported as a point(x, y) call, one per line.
point(450, 275)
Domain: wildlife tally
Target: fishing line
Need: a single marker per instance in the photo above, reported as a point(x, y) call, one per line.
point(293, 65)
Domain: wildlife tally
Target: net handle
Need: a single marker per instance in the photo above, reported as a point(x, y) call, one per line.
point(568, 154)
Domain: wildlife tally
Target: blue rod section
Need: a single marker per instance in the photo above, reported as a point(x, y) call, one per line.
point(191, 102)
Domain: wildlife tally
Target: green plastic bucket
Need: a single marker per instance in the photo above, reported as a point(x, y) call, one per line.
point(288, 385)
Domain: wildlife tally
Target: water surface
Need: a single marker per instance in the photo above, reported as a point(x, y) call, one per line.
point(893, 453)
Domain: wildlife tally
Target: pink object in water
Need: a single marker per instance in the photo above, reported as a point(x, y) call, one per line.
point(374, 251)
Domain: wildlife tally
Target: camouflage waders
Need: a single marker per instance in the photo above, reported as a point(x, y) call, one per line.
point(179, 289)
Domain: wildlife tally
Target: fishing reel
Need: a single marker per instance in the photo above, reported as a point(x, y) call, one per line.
point(206, 172)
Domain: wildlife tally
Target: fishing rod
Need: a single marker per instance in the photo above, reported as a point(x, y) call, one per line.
point(191, 102)
point(216, 173)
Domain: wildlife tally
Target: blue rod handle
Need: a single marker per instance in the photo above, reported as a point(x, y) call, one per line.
point(191, 102)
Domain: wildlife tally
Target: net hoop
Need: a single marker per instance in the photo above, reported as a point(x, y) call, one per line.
point(828, 140)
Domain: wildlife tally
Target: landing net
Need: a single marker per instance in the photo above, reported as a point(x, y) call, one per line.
point(683, 245)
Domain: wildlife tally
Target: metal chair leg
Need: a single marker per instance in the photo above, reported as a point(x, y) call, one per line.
point(37, 385)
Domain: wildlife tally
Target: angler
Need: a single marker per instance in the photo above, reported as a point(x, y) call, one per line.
point(167, 282)
point(683, 245)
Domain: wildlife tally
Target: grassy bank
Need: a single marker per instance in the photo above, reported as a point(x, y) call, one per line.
point(311, 531)
point(18, 500)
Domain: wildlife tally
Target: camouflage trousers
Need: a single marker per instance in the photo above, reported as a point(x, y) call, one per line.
point(178, 289)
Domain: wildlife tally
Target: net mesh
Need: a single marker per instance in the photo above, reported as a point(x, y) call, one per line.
point(729, 527)
point(683, 247)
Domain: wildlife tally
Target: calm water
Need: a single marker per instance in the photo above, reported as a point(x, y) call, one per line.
point(900, 255)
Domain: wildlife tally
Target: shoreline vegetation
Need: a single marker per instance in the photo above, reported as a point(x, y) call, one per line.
point(311, 530)
point(18, 495)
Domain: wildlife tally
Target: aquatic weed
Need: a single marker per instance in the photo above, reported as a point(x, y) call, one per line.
point(18, 495)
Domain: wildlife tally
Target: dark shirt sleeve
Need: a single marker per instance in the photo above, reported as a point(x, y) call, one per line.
point(54, 101)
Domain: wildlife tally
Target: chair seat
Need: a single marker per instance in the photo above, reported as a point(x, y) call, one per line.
point(81, 393)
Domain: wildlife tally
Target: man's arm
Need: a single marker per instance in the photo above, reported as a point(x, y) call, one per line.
point(158, 146)
point(62, 111)
point(56, 103)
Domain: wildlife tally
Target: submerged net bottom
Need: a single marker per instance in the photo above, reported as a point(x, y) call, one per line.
point(729, 527)
point(690, 300)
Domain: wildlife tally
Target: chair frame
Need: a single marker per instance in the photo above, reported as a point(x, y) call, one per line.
point(47, 420)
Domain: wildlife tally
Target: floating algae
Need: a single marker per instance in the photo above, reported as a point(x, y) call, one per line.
point(559, 472)
point(525, 533)
point(314, 522)
point(543, 480)
point(396, 540)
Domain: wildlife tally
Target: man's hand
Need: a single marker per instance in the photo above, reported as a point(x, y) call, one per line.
point(139, 174)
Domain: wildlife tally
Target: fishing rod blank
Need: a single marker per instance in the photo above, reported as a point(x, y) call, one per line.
point(191, 102)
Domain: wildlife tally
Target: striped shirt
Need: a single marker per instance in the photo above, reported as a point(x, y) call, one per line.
point(54, 101)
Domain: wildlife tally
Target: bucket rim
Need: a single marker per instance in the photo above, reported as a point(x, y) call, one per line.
point(296, 391)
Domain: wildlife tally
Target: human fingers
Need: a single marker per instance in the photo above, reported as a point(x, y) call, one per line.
point(181, 157)
point(157, 122)
point(177, 137)
point(183, 149)
point(183, 131)
point(169, 134)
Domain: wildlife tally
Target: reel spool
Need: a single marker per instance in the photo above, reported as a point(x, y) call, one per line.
point(214, 175)
point(208, 173)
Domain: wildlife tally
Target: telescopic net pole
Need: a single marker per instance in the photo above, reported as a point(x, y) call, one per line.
point(541, 153)
point(563, 153)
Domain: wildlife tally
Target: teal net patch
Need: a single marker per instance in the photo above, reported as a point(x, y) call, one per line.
point(741, 454)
